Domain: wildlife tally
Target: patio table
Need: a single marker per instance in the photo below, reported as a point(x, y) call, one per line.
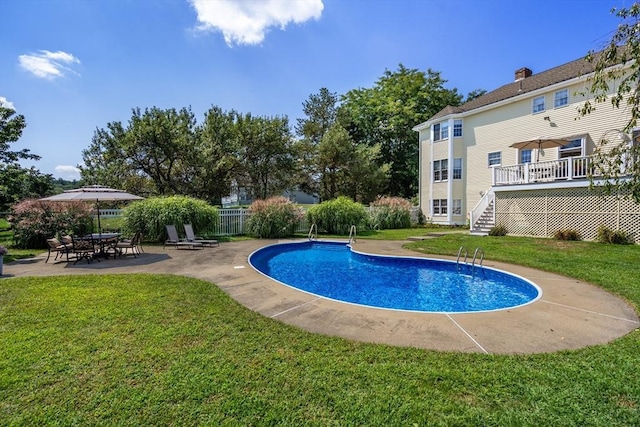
point(105, 241)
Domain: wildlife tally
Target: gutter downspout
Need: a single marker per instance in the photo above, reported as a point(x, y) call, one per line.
point(450, 180)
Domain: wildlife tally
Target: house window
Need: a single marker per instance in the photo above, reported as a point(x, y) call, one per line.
point(525, 156)
point(572, 149)
point(494, 159)
point(444, 130)
point(457, 168)
point(561, 98)
point(538, 104)
point(457, 128)
point(436, 132)
point(444, 169)
point(440, 170)
point(439, 206)
point(456, 207)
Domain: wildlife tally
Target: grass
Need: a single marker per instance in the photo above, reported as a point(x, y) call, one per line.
point(162, 350)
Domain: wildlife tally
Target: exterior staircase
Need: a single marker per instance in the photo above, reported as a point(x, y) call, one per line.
point(486, 221)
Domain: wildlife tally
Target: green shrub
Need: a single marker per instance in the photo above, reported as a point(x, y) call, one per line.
point(390, 213)
point(337, 216)
point(34, 221)
point(150, 216)
point(618, 237)
point(567, 234)
point(273, 218)
point(498, 230)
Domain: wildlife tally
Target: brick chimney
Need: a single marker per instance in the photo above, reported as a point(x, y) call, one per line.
point(523, 73)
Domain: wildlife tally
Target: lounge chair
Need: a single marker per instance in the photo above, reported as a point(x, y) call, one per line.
point(59, 248)
point(122, 247)
point(191, 237)
point(174, 240)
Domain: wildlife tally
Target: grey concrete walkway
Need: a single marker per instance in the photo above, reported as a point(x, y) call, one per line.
point(571, 314)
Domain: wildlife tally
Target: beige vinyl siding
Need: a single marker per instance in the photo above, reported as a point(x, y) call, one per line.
point(425, 171)
point(498, 128)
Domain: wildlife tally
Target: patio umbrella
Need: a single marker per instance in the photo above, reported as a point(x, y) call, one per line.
point(540, 143)
point(93, 193)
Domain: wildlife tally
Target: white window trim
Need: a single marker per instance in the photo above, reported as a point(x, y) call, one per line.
point(489, 165)
point(582, 148)
point(444, 127)
point(457, 121)
point(454, 168)
point(440, 201)
point(555, 98)
point(457, 202)
point(544, 105)
point(520, 151)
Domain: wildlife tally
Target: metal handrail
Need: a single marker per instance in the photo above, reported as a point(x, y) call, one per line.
point(313, 235)
point(352, 234)
point(465, 256)
point(475, 255)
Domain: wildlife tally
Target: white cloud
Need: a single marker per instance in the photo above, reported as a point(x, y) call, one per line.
point(247, 21)
point(48, 65)
point(67, 172)
point(6, 104)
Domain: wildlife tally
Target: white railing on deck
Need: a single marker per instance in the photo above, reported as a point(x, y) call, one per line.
point(480, 207)
point(555, 170)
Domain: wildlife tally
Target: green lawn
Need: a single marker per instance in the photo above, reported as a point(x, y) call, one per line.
point(167, 350)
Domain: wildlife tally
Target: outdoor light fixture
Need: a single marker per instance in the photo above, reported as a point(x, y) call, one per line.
point(547, 118)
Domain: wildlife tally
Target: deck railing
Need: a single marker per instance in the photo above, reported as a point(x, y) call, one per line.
point(566, 169)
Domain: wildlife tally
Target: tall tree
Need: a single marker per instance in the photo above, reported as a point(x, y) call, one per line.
point(334, 155)
point(349, 169)
point(217, 160)
point(10, 131)
point(321, 111)
point(266, 154)
point(616, 79)
point(17, 182)
point(386, 113)
point(146, 155)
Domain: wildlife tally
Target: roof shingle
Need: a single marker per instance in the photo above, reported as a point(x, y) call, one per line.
point(541, 80)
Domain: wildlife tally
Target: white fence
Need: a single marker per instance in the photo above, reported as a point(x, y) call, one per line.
point(231, 222)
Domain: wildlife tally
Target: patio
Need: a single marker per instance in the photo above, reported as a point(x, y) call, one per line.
point(571, 314)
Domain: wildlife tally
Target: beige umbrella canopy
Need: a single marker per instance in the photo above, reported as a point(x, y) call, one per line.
point(93, 193)
point(540, 143)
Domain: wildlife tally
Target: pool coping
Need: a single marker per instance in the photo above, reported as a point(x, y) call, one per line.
point(571, 314)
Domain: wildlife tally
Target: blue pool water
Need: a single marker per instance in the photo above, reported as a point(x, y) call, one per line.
point(334, 271)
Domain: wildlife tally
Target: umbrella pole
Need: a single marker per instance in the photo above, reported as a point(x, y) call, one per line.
point(98, 210)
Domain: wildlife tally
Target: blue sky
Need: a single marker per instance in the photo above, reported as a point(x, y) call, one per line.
point(71, 66)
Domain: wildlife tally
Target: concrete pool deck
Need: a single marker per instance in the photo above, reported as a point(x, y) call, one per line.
point(571, 314)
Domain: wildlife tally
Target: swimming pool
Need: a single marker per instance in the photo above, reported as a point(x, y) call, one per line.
point(333, 270)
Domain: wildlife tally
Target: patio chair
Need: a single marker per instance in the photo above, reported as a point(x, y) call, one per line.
point(174, 240)
point(123, 246)
point(191, 237)
point(60, 249)
point(83, 249)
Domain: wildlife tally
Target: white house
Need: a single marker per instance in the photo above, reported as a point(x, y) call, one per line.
point(470, 174)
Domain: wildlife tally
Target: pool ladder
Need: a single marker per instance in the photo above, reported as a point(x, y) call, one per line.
point(352, 234)
point(313, 232)
point(475, 257)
